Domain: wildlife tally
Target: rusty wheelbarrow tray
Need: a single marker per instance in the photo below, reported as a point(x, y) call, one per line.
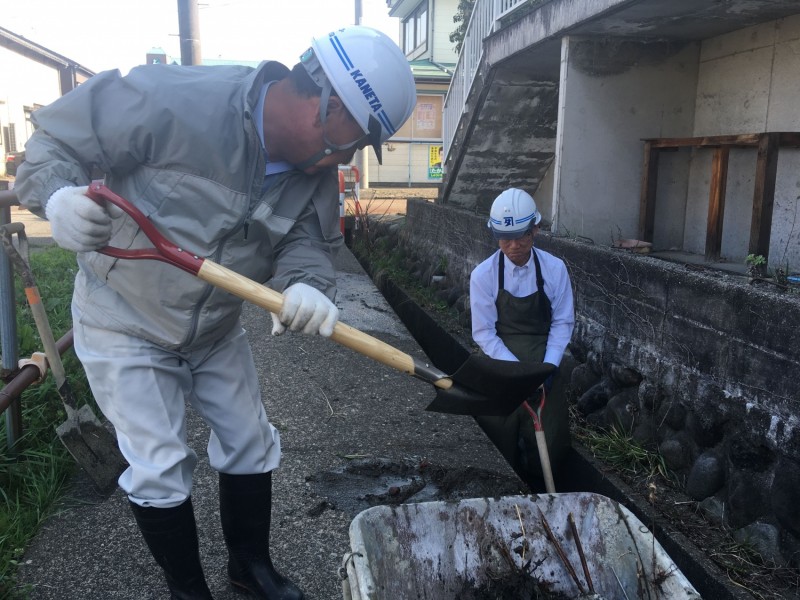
point(576, 545)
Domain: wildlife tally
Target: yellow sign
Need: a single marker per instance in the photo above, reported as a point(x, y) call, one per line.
point(434, 162)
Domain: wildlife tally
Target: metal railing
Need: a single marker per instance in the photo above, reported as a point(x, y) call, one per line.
point(482, 22)
point(8, 329)
point(17, 379)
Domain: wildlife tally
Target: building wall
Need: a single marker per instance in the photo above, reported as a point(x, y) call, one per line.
point(747, 83)
point(438, 46)
point(442, 25)
point(612, 94)
point(405, 164)
point(410, 155)
point(25, 83)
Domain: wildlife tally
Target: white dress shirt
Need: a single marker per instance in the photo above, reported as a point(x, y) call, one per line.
point(521, 282)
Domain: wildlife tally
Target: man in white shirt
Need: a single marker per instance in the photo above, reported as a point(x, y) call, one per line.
point(522, 309)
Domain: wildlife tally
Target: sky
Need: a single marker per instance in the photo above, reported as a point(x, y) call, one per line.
point(111, 34)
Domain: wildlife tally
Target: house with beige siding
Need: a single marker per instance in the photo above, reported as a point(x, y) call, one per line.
point(33, 76)
point(413, 156)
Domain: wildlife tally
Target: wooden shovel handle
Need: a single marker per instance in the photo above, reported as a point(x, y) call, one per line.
point(544, 458)
point(165, 251)
point(34, 298)
point(343, 334)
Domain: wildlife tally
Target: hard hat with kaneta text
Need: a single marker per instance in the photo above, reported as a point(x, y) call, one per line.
point(369, 73)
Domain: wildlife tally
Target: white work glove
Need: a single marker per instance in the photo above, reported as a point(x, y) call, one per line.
point(305, 309)
point(77, 222)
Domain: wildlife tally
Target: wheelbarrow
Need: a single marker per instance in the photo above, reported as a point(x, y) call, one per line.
point(576, 545)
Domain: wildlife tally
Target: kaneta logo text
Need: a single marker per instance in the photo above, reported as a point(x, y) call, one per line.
point(366, 89)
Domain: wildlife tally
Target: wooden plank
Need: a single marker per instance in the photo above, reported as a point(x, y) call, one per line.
point(764, 194)
point(716, 203)
point(789, 139)
point(744, 140)
point(647, 199)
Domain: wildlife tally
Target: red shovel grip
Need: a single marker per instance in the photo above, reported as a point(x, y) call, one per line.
point(162, 250)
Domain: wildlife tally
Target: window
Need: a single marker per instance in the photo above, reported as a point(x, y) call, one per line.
point(415, 28)
point(28, 110)
point(10, 138)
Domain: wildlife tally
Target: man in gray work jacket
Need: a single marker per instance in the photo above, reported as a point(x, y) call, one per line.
point(237, 165)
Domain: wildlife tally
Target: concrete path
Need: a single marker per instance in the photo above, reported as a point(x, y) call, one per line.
point(36, 228)
point(332, 407)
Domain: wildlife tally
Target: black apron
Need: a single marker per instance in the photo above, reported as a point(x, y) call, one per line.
point(523, 324)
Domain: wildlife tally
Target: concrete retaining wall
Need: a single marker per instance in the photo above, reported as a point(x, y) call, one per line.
point(699, 364)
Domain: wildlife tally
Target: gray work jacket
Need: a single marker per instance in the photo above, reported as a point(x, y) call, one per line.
point(180, 144)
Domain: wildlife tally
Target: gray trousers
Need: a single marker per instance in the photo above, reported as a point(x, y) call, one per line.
point(143, 391)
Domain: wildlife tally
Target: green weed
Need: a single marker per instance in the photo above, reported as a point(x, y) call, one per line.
point(623, 453)
point(33, 473)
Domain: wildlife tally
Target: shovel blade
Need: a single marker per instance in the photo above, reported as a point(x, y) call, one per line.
point(485, 386)
point(94, 448)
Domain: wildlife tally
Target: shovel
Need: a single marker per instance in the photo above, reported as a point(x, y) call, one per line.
point(92, 446)
point(481, 386)
point(541, 441)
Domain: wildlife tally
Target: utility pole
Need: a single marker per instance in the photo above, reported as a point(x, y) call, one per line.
point(362, 156)
point(189, 30)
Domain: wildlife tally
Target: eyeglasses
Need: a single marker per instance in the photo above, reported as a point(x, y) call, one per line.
point(523, 239)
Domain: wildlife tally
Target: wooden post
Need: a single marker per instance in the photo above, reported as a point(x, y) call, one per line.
point(716, 203)
point(764, 194)
point(189, 30)
point(647, 199)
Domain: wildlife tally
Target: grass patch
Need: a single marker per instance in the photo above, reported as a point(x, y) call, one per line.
point(389, 261)
point(34, 472)
point(624, 454)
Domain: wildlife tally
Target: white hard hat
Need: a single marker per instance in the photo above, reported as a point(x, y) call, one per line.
point(371, 76)
point(513, 214)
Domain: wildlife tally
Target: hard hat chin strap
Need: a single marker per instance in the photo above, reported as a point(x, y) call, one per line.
point(330, 147)
point(323, 117)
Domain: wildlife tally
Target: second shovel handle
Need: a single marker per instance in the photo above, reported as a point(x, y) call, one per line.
point(544, 457)
point(34, 299)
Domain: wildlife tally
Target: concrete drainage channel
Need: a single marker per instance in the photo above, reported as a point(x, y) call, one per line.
point(363, 484)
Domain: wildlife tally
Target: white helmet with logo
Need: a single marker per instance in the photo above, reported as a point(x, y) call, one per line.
point(513, 214)
point(371, 76)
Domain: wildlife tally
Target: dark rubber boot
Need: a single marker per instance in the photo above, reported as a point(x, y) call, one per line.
point(245, 503)
point(171, 535)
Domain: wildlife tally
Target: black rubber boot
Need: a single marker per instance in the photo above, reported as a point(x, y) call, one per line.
point(245, 503)
point(171, 535)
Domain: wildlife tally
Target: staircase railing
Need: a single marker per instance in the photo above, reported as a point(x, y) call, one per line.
point(485, 14)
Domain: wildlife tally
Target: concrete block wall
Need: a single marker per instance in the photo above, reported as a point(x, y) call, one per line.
point(701, 365)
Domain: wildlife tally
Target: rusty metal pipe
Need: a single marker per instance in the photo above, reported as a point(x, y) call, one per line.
point(28, 375)
point(8, 198)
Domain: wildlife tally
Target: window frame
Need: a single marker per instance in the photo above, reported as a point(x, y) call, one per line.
point(415, 29)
